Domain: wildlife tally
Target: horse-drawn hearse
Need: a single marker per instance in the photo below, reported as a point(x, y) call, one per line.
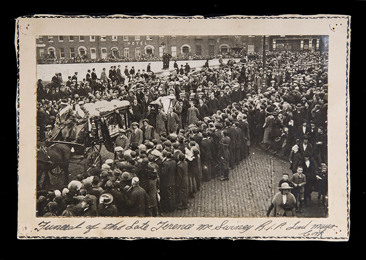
point(79, 139)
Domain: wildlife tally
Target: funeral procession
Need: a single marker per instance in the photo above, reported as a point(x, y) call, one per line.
point(182, 126)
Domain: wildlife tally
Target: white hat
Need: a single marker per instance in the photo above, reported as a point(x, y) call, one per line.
point(135, 180)
point(74, 184)
point(65, 191)
point(118, 149)
point(285, 186)
point(105, 167)
point(109, 161)
point(57, 193)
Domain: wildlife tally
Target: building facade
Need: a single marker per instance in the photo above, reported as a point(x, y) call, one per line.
point(144, 47)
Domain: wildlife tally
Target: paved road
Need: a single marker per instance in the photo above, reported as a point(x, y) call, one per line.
point(248, 193)
point(47, 71)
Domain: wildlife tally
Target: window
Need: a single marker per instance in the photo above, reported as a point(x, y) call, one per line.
point(92, 38)
point(149, 50)
point(185, 49)
point(198, 50)
point(137, 53)
point(71, 38)
point(62, 53)
point(174, 51)
point(50, 38)
point(72, 52)
point(114, 38)
point(224, 48)
point(126, 52)
point(60, 38)
point(81, 38)
point(148, 38)
point(41, 52)
point(40, 39)
point(93, 53)
point(173, 36)
point(161, 36)
point(104, 53)
point(103, 38)
point(51, 52)
point(125, 38)
point(137, 37)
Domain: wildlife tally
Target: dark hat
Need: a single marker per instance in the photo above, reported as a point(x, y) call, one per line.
point(306, 137)
point(135, 124)
point(126, 176)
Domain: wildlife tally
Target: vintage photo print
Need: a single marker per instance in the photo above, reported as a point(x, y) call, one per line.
point(183, 127)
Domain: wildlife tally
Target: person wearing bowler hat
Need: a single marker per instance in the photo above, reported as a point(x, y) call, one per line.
point(105, 207)
point(283, 203)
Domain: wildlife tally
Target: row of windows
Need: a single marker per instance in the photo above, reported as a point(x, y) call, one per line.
point(114, 51)
point(92, 38)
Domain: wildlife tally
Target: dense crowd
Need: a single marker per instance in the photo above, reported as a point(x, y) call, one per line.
point(165, 157)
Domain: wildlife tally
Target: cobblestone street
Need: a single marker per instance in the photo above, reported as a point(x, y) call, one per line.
point(248, 193)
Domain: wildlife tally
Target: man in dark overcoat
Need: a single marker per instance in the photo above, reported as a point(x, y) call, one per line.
point(206, 156)
point(167, 182)
point(182, 182)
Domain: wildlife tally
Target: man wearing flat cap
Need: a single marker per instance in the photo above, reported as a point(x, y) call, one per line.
point(137, 135)
point(122, 140)
point(147, 130)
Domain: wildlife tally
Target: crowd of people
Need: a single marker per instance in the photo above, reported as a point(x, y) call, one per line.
point(51, 59)
point(218, 113)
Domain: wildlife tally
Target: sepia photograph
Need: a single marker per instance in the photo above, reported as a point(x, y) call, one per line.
point(185, 129)
point(182, 126)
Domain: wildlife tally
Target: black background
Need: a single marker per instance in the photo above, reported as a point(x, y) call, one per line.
point(11, 248)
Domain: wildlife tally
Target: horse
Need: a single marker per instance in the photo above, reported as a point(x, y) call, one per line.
point(50, 158)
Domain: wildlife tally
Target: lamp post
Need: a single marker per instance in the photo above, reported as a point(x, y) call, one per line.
point(162, 45)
